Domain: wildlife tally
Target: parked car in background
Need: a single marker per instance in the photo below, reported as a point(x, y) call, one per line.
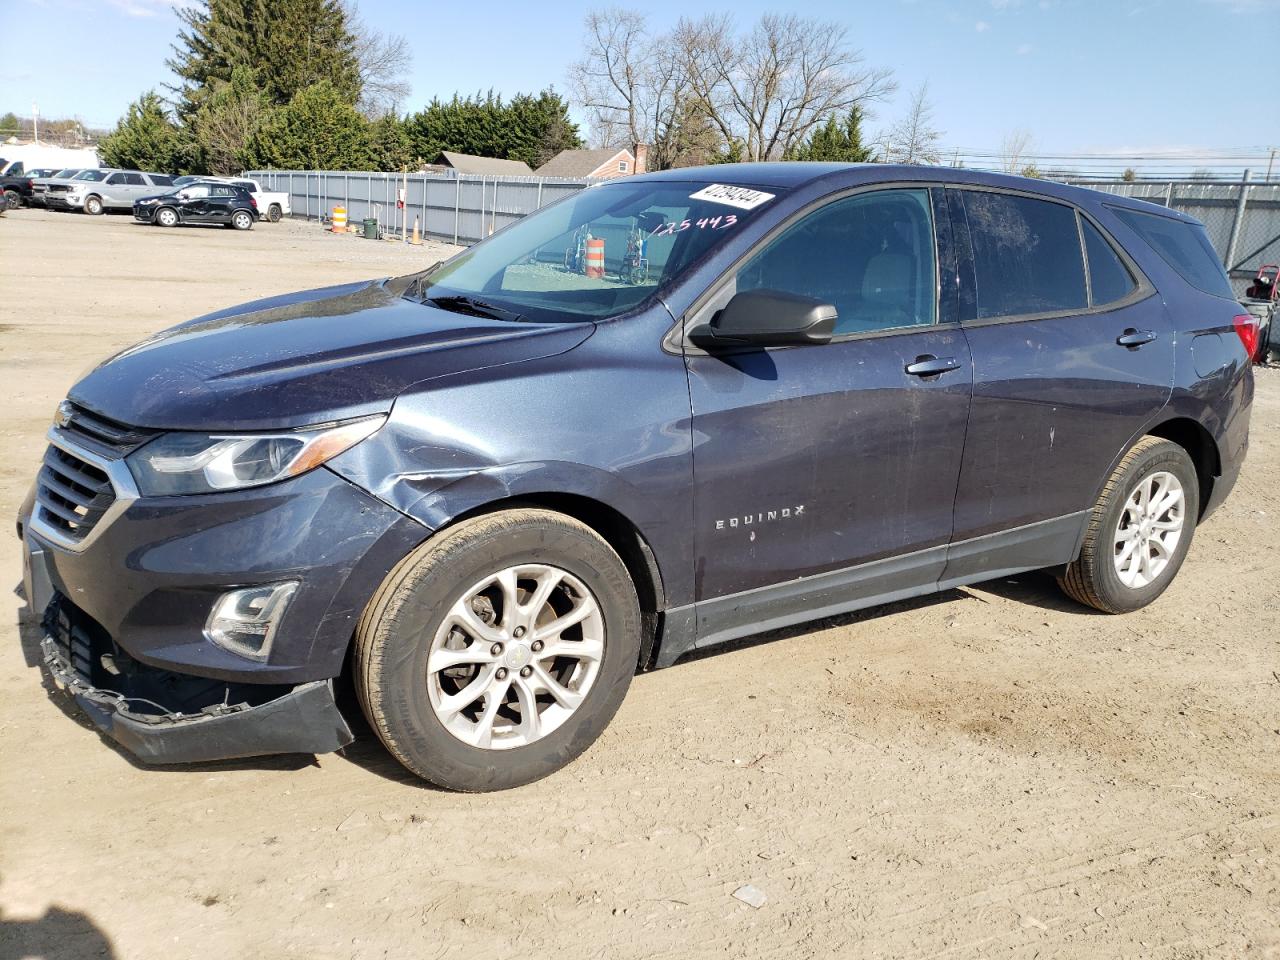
point(97, 191)
point(494, 490)
point(17, 190)
point(41, 185)
point(272, 205)
point(40, 172)
point(11, 168)
point(199, 202)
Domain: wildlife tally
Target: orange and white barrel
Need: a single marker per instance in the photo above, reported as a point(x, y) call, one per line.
point(595, 258)
point(339, 219)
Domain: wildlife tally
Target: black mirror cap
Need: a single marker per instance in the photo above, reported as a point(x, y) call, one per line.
point(771, 318)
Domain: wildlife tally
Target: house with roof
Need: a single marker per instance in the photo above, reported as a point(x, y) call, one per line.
point(465, 163)
point(601, 164)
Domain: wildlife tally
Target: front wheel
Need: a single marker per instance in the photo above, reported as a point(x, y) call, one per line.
point(93, 206)
point(12, 199)
point(1139, 531)
point(496, 653)
point(167, 217)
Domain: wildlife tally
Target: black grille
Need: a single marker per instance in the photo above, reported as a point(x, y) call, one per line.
point(72, 494)
point(102, 435)
point(74, 636)
point(58, 188)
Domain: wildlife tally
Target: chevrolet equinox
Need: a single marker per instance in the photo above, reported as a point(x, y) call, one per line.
point(666, 412)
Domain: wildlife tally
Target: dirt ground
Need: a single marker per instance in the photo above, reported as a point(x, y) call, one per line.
point(991, 772)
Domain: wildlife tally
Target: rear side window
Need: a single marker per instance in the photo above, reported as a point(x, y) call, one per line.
point(1026, 255)
point(1184, 246)
point(223, 192)
point(161, 180)
point(1109, 278)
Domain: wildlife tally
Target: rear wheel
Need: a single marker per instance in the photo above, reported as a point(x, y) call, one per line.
point(93, 206)
point(1139, 531)
point(167, 217)
point(496, 653)
point(274, 213)
point(12, 199)
point(241, 220)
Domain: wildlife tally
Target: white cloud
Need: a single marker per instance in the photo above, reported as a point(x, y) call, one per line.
point(982, 26)
point(1024, 49)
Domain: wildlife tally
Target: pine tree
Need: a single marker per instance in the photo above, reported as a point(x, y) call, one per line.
point(388, 144)
point(226, 121)
point(837, 141)
point(146, 139)
point(288, 44)
point(318, 129)
point(529, 128)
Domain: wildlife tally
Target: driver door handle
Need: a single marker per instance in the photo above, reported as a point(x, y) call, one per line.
point(1135, 338)
point(930, 366)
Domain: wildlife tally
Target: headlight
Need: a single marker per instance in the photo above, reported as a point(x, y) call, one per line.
point(182, 463)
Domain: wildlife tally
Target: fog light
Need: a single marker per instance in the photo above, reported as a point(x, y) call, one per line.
point(245, 621)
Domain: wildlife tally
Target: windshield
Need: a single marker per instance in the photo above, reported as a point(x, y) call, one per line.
point(91, 175)
point(600, 253)
point(65, 174)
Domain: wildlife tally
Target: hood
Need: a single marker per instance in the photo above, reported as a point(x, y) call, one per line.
point(305, 358)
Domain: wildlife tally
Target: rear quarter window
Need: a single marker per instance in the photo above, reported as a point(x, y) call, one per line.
point(1026, 255)
point(1109, 279)
point(1184, 246)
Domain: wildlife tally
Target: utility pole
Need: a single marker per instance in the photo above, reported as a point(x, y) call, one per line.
point(1270, 162)
point(35, 123)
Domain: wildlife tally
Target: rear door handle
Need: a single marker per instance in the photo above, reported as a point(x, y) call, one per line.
point(1135, 338)
point(931, 366)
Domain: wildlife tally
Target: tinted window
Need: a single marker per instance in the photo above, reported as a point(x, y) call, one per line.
point(135, 180)
point(245, 184)
point(1026, 255)
point(160, 180)
point(116, 178)
point(870, 255)
point(1184, 247)
point(1109, 278)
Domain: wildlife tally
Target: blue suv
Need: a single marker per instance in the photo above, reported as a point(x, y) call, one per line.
point(667, 412)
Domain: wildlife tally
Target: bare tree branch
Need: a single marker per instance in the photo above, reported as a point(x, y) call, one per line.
point(914, 139)
point(1014, 149)
point(384, 59)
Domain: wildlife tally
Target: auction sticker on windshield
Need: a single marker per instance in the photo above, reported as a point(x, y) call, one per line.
point(741, 197)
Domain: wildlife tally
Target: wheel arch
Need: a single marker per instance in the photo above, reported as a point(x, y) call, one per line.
point(1201, 447)
point(617, 530)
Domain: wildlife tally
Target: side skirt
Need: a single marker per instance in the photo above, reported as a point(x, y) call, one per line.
point(708, 623)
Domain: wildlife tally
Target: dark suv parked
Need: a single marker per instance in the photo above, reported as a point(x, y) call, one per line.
point(202, 201)
point(663, 413)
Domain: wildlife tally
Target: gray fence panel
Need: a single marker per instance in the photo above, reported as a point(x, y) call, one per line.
point(462, 209)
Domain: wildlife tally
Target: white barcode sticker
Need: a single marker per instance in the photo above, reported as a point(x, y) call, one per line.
point(743, 198)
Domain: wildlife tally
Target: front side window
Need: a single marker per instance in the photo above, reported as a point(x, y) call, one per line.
point(871, 256)
point(196, 192)
point(1184, 246)
point(1026, 255)
point(1109, 279)
point(598, 254)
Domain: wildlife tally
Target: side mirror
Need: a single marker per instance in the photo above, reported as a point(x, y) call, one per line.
point(183, 195)
point(767, 318)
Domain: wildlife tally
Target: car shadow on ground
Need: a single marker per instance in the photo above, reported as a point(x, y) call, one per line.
point(58, 933)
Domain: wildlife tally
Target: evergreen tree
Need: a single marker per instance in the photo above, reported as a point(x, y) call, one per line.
point(837, 141)
point(288, 44)
point(388, 144)
point(529, 128)
point(226, 121)
point(318, 129)
point(146, 139)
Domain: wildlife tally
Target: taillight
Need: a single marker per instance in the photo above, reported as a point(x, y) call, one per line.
point(1248, 329)
point(254, 201)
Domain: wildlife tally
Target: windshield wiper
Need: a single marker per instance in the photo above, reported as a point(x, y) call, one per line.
point(474, 307)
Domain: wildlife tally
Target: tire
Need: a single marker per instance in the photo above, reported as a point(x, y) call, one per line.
point(93, 206)
point(1097, 578)
point(12, 199)
point(166, 217)
point(242, 220)
point(414, 614)
point(273, 213)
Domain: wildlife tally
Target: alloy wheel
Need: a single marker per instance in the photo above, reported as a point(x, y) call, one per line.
point(1149, 528)
point(515, 656)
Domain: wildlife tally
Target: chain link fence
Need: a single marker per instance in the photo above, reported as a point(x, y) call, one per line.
point(462, 209)
point(1243, 218)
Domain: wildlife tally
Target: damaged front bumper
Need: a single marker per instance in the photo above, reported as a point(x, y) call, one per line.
point(303, 720)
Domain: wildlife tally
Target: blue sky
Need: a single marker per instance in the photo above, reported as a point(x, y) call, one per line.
point(1079, 75)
